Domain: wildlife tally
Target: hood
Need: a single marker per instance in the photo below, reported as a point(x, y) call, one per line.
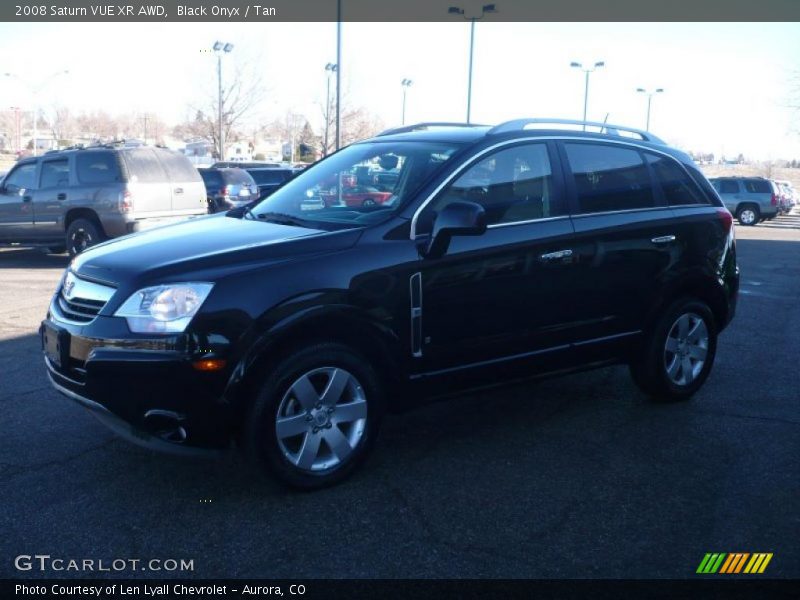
point(204, 244)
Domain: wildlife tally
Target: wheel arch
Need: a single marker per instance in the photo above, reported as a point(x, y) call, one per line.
point(73, 214)
point(693, 285)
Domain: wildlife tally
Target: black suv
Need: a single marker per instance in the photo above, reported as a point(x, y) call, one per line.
point(228, 188)
point(292, 325)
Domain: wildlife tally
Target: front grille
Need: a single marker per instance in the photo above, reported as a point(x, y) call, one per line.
point(79, 300)
point(82, 310)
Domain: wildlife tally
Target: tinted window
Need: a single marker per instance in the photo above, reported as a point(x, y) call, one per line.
point(757, 186)
point(675, 183)
point(22, 178)
point(143, 166)
point(97, 167)
point(178, 167)
point(728, 186)
point(609, 178)
point(54, 173)
point(515, 184)
point(270, 175)
point(211, 177)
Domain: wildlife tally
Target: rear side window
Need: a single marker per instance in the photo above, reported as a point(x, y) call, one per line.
point(757, 186)
point(178, 167)
point(97, 167)
point(54, 173)
point(675, 183)
point(144, 166)
point(609, 178)
point(727, 186)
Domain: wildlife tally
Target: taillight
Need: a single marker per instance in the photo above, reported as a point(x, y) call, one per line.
point(726, 218)
point(225, 190)
point(126, 202)
point(774, 200)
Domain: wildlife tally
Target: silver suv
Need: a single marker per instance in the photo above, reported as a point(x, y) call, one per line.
point(73, 199)
point(750, 199)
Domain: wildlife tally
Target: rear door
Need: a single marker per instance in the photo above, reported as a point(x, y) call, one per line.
point(186, 186)
point(624, 238)
point(16, 203)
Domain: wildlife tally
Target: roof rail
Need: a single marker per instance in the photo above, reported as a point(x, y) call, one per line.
point(417, 126)
point(519, 124)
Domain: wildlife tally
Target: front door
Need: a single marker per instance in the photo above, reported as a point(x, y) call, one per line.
point(16, 204)
point(50, 199)
point(496, 297)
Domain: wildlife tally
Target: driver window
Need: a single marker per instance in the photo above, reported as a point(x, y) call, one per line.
point(21, 178)
point(512, 185)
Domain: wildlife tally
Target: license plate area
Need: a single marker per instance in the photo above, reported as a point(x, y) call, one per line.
point(55, 344)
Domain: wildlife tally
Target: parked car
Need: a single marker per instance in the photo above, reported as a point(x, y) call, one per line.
point(73, 199)
point(786, 199)
point(509, 252)
point(385, 181)
point(356, 195)
point(228, 188)
point(268, 180)
point(750, 199)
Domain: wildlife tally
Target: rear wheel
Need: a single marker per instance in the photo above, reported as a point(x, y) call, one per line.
point(678, 352)
point(368, 202)
point(81, 234)
point(749, 215)
point(316, 416)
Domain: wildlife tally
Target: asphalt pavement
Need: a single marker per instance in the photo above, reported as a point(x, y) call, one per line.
point(574, 477)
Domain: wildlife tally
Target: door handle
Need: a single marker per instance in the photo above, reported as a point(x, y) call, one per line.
point(61, 196)
point(27, 198)
point(664, 239)
point(178, 190)
point(558, 255)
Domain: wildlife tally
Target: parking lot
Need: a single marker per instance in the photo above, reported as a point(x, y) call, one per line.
point(572, 477)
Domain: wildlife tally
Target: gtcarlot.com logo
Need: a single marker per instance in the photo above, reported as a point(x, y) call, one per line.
point(735, 562)
point(46, 562)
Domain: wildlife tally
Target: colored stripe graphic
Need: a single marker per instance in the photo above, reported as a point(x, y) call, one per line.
point(734, 563)
point(711, 563)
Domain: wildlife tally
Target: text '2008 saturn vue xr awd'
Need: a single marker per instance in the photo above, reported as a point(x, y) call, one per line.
point(292, 325)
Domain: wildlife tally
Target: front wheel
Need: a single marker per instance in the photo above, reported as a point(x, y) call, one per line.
point(678, 352)
point(316, 416)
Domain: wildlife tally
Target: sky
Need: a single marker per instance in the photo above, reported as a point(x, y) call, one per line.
point(727, 85)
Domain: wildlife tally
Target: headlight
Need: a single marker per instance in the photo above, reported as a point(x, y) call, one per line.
point(164, 308)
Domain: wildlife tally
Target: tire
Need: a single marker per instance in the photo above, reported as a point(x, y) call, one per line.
point(661, 369)
point(748, 215)
point(81, 234)
point(294, 394)
point(368, 203)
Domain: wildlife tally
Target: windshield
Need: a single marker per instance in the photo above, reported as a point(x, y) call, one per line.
point(362, 184)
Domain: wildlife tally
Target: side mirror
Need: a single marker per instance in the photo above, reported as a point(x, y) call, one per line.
point(457, 218)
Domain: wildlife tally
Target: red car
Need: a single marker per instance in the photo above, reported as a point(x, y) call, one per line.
point(357, 195)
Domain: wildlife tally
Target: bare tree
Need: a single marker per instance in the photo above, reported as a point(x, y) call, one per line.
point(242, 93)
point(357, 123)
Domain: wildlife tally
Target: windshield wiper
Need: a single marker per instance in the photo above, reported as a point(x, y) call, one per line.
point(282, 219)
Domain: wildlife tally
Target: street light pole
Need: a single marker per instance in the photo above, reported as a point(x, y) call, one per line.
point(457, 10)
point(578, 65)
point(220, 48)
point(649, 100)
point(338, 74)
point(329, 68)
point(405, 84)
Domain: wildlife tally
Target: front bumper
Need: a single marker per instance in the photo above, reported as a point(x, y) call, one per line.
point(144, 389)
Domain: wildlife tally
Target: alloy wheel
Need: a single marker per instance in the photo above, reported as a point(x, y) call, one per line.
point(686, 349)
point(321, 419)
point(747, 216)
